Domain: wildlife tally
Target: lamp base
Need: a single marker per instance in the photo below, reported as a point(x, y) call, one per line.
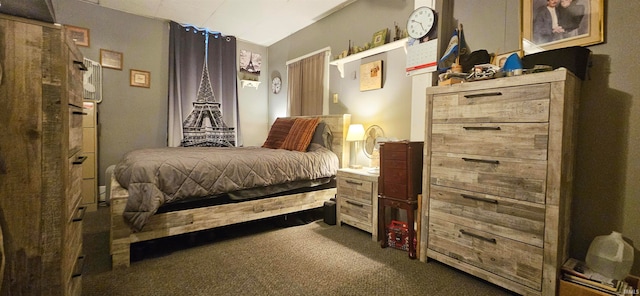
point(355, 166)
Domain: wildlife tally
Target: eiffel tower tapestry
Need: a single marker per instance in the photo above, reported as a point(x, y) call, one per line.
point(204, 127)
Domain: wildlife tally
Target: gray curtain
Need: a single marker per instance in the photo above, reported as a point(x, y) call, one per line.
point(306, 85)
point(186, 63)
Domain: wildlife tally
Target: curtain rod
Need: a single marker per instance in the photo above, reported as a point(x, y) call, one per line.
point(328, 48)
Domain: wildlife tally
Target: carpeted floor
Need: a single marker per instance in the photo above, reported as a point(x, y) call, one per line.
point(298, 256)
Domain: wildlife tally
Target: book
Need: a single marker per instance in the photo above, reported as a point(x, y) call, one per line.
point(594, 284)
point(579, 268)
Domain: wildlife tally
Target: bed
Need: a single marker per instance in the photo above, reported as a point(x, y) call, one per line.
point(185, 218)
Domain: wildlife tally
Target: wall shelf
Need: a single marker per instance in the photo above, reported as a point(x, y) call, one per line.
point(249, 83)
point(369, 52)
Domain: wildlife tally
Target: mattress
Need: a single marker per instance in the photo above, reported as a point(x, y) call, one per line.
point(154, 177)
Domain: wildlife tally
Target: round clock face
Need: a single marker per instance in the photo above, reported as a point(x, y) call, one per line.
point(420, 22)
point(276, 85)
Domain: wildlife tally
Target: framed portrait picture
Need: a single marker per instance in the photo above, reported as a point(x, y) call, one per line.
point(576, 23)
point(111, 59)
point(79, 35)
point(380, 37)
point(140, 78)
point(371, 75)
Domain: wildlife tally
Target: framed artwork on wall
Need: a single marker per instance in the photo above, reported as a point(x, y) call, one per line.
point(371, 75)
point(111, 59)
point(79, 35)
point(579, 23)
point(140, 78)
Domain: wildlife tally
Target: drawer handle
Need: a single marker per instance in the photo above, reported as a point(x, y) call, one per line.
point(355, 204)
point(491, 240)
point(479, 198)
point(481, 160)
point(80, 65)
point(354, 182)
point(77, 269)
point(481, 128)
point(78, 113)
point(491, 94)
point(80, 214)
point(80, 159)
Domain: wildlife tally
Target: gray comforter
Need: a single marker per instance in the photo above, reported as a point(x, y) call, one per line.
point(154, 177)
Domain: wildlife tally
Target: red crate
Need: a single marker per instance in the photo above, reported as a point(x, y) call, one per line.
point(398, 235)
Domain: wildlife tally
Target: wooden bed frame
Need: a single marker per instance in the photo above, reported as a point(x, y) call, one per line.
point(190, 220)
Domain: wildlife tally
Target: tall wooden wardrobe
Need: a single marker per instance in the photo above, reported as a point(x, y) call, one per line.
point(40, 158)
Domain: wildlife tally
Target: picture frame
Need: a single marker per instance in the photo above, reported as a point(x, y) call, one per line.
point(500, 59)
point(371, 76)
point(79, 35)
point(584, 18)
point(380, 37)
point(140, 78)
point(111, 59)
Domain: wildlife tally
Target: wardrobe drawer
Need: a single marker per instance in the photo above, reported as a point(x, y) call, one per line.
point(510, 104)
point(520, 140)
point(506, 177)
point(358, 190)
point(501, 256)
point(517, 220)
point(356, 214)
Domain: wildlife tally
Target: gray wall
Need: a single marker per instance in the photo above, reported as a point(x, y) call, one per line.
point(129, 117)
point(389, 107)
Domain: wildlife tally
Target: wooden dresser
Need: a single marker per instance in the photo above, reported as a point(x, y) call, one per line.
point(40, 159)
point(400, 183)
point(498, 178)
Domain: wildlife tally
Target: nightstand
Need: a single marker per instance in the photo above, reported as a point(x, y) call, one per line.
point(357, 199)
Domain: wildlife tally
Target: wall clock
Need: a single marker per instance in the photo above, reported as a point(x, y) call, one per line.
point(276, 84)
point(421, 22)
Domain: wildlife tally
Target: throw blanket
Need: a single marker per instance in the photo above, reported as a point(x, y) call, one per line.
point(154, 177)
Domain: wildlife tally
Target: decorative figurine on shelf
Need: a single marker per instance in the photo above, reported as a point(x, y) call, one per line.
point(398, 35)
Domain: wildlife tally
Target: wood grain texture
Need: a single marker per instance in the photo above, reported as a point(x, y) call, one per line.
point(39, 188)
point(499, 171)
point(357, 200)
point(190, 220)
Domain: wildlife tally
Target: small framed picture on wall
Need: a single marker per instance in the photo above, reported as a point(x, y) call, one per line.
point(140, 78)
point(79, 35)
point(111, 59)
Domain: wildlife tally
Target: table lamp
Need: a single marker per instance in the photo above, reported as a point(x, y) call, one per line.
point(355, 135)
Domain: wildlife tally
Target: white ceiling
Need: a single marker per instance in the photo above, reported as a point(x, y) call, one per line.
point(262, 22)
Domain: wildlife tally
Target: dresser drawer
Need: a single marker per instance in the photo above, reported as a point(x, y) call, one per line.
point(75, 129)
point(358, 190)
point(517, 220)
point(506, 177)
point(75, 72)
point(74, 190)
point(519, 140)
point(501, 256)
point(72, 249)
point(356, 214)
point(510, 104)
